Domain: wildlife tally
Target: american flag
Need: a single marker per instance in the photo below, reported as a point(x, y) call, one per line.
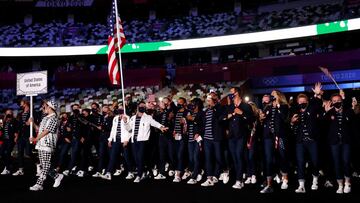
point(113, 47)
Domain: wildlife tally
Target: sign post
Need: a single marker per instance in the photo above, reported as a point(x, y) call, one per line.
point(31, 84)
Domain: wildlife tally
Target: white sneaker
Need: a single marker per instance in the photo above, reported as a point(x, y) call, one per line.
point(300, 189)
point(5, 172)
point(58, 180)
point(277, 179)
point(238, 185)
point(340, 190)
point(248, 181)
point(215, 180)
point(253, 179)
point(177, 179)
point(160, 177)
point(328, 184)
point(355, 175)
point(80, 174)
point(90, 168)
point(155, 172)
point(36, 187)
point(66, 172)
point(192, 182)
point(207, 183)
point(267, 189)
point(118, 172)
point(107, 176)
point(199, 177)
point(167, 167)
point(314, 185)
point(19, 172)
point(186, 175)
point(137, 179)
point(171, 173)
point(221, 177)
point(284, 185)
point(226, 178)
point(347, 188)
point(129, 176)
point(96, 175)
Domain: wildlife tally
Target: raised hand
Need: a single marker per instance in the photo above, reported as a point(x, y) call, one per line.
point(294, 118)
point(342, 94)
point(354, 102)
point(328, 106)
point(317, 88)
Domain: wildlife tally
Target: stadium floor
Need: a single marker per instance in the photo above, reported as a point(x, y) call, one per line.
point(88, 189)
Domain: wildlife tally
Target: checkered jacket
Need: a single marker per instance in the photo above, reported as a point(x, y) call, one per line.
point(48, 142)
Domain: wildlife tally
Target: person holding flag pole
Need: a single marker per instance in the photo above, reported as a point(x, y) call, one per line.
point(116, 41)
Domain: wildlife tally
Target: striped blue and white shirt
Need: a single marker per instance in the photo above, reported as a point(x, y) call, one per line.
point(209, 134)
point(137, 125)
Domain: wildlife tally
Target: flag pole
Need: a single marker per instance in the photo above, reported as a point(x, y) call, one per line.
point(120, 62)
point(328, 74)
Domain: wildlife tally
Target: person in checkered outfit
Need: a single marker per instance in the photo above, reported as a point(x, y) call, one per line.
point(45, 144)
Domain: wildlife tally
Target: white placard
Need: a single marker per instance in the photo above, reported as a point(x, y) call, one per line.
point(32, 83)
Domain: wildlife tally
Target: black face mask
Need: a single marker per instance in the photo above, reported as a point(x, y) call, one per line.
point(104, 113)
point(142, 109)
point(191, 107)
point(76, 111)
point(8, 117)
point(94, 110)
point(265, 104)
point(302, 106)
point(180, 106)
point(231, 96)
point(272, 98)
point(337, 105)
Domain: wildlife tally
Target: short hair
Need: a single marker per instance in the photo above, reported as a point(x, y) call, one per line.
point(141, 102)
point(87, 110)
point(75, 105)
point(198, 102)
point(302, 96)
point(266, 95)
point(166, 98)
point(96, 104)
point(183, 99)
point(237, 89)
point(335, 95)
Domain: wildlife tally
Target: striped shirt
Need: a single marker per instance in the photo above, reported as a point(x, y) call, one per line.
point(24, 118)
point(75, 126)
point(340, 130)
point(191, 129)
point(137, 125)
point(6, 130)
point(178, 117)
point(118, 131)
point(272, 120)
point(209, 134)
point(163, 118)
